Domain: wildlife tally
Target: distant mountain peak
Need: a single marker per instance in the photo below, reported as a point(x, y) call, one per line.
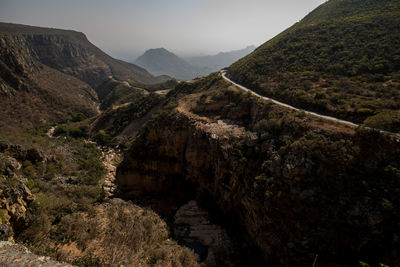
point(220, 60)
point(158, 50)
point(160, 61)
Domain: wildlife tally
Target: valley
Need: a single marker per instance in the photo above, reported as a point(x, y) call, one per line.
point(288, 156)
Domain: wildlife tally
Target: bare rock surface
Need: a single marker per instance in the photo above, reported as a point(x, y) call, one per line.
point(14, 197)
point(194, 229)
point(111, 159)
point(15, 255)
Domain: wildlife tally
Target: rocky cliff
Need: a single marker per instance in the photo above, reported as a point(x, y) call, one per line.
point(71, 53)
point(47, 75)
point(15, 255)
point(296, 188)
point(15, 196)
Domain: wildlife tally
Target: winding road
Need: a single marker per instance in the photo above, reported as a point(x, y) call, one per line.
point(349, 123)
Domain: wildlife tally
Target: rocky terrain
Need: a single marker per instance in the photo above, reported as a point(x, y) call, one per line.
point(102, 166)
point(194, 229)
point(71, 53)
point(14, 255)
point(290, 185)
point(14, 198)
point(49, 74)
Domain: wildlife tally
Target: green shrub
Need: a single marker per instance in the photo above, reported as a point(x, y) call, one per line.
point(59, 130)
point(2, 216)
point(78, 117)
point(103, 138)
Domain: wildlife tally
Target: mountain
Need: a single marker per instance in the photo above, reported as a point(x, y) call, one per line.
point(71, 53)
point(220, 60)
point(53, 178)
point(205, 164)
point(160, 61)
point(287, 186)
point(47, 74)
point(294, 188)
point(343, 59)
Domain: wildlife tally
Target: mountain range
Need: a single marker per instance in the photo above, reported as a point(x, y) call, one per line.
point(105, 164)
point(221, 60)
point(160, 61)
point(50, 73)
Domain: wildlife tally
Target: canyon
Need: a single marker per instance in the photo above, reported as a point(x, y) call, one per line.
point(105, 164)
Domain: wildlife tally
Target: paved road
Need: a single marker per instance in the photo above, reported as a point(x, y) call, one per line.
point(349, 123)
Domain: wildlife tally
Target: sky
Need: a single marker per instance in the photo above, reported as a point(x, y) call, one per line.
point(126, 28)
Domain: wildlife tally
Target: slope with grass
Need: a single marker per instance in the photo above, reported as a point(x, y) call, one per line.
point(343, 59)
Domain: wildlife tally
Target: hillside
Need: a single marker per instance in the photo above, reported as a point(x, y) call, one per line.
point(290, 188)
point(71, 53)
point(47, 75)
point(343, 59)
point(160, 61)
point(221, 60)
point(98, 168)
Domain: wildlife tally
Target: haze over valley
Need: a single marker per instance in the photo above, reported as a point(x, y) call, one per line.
point(150, 133)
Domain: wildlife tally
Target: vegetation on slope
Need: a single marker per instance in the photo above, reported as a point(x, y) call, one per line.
point(299, 186)
point(343, 59)
point(68, 216)
point(70, 52)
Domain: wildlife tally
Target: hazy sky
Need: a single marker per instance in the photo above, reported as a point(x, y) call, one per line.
point(126, 28)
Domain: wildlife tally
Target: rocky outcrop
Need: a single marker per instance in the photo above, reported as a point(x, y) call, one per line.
point(47, 75)
point(304, 192)
point(110, 158)
point(15, 255)
point(32, 93)
point(194, 229)
point(14, 197)
point(22, 153)
point(71, 53)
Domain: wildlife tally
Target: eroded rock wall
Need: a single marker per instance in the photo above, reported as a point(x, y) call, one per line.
point(321, 194)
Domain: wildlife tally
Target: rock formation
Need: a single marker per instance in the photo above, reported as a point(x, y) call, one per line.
point(293, 186)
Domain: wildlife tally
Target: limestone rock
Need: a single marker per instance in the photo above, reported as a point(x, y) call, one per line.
point(15, 197)
point(195, 230)
point(15, 255)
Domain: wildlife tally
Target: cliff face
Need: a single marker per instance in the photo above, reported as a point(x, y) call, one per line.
point(48, 74)
point(71, 53)
point(299, 187)
point(32, 93)
point(15, 196)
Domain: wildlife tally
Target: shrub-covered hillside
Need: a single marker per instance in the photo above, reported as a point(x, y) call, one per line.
point(343, 59)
